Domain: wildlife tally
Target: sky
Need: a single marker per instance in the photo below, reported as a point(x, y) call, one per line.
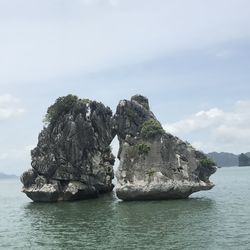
point(191, 58)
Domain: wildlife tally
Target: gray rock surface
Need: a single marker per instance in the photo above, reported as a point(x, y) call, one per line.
point(73, 159)
point(153, 163)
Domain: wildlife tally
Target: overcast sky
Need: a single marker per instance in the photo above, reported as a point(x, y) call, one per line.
point(191, 58)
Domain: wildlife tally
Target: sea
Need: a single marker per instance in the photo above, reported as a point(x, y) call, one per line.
point(215, 219)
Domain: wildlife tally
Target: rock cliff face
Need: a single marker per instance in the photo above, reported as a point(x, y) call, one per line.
point(153, 163)
point(72, 159)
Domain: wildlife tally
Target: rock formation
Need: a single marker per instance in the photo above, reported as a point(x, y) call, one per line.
point(244, 160)
point(155, 164)
point(72, 159)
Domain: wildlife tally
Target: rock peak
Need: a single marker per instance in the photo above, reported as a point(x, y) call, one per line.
point(73, 159)
point(141, 100)
point(153, 163)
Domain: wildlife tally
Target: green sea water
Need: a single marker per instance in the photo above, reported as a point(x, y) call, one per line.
point(216, 219)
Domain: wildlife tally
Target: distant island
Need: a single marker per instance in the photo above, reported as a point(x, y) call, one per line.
point(244, 160)
point(7, 176)
point(225, 159)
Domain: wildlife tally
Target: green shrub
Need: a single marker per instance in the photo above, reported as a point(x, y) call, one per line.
point(143, 149)
point(150, 173)
point(206, 163)
point(138, 150)
point(61, 105)
point(151, 128)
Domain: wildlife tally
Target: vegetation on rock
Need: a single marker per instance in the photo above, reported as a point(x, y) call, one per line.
point(142, 148)
point(207, 163)
point(138, 149)
point(150, 173)
point(61, 106)
point(151, 128)
point(72, 148)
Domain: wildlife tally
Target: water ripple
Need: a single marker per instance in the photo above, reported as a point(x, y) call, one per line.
point(218, 219)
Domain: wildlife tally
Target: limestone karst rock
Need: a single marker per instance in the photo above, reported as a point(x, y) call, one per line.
point(72, 159)
point(155, 164)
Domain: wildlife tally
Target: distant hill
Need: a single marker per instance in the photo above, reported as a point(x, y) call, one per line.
point(7, 176)
point(247, 154)
point(244, 160)
point(224, 159)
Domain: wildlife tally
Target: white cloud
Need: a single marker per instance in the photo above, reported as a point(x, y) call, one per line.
point(200, 120)
point(218, 130)
point(10, 107)
point(83, 36)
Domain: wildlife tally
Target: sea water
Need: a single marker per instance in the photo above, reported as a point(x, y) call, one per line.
point(216, 219)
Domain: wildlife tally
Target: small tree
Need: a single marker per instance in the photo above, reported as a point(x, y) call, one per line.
point(61, 106)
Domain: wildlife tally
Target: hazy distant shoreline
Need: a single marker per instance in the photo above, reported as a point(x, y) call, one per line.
point(225, 159)
point(7, 176)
